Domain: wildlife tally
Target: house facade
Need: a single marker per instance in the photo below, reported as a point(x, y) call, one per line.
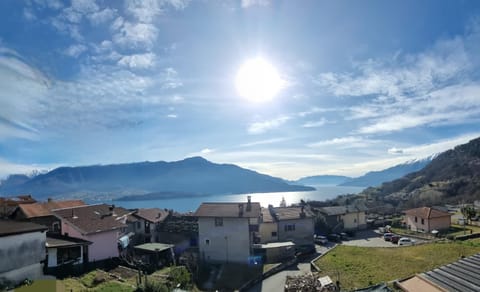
point(227, 231)
point(66, 255)
point(295, 224)
point(426, 219)
point(102, 225)
point(146, 224)
point(345, 218)
point(268, 229)
point(22, 251)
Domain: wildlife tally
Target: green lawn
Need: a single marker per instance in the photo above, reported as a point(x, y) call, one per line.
point(359, 267)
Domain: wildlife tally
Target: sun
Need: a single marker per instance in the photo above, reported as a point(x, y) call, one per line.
point(257, 80)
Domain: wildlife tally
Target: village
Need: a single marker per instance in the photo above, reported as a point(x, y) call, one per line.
point(222, 246)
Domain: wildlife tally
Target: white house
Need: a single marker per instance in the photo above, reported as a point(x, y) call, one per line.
point(295, 224)
point(226, 231)
point(22, 251)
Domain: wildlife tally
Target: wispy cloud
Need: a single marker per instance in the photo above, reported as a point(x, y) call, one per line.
point(138, 61)
point(250, 3)
point(428, 88)
point(263, 142)
point(264, 126)
point(75, 50)
point(345, 142)
point(315, 124)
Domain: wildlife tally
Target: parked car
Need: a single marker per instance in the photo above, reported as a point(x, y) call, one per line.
point(333, 237)
point(387, 236)
point(395, 238)
point(406, 241)
point(319, 239)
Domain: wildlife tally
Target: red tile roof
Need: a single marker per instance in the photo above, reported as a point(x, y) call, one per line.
point(153, 215)
point(94, 218)
point(231, 210)
point(426, 213)
point(45, 208)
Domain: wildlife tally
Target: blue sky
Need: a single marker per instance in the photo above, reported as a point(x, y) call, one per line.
point(366, 84)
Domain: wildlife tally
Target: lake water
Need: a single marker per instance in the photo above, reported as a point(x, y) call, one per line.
point(191, 204)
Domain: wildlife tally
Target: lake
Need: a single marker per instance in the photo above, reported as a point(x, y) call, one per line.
point(191, 204)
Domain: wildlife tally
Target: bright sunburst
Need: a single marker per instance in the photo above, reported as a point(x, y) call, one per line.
point(258, 80)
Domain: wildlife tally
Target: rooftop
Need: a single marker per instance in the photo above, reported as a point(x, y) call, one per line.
point(267, 216)
point(230, 210)
point(94, 218)
point(154, 247)
point(461, 275)
point(9, 227)
point(45, 208)
point(427, 213)
point(64, 241)
point(290, 213)
point(153, 215)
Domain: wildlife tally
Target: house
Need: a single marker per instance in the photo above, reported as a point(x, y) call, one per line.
point(426, 219)
point(146, 224)
point(10, 204)
point(41, 213)
point(101, 224)
point(295, 224)
point(22, 251)
point(226, 231)
point(345, 218)
point(268, 228)
point(461, 275)
point(66, 255)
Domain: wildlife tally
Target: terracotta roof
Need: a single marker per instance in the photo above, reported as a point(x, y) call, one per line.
point(290, 213)
point(231, 210)
point(9, 227)
point(45, 208)
point(94, 218)
point(153, 215)
point(426, 213)
point(17, 200)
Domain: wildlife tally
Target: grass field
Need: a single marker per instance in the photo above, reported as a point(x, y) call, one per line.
point(359, 267)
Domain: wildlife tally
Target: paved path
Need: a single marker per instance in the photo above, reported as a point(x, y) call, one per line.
point(277, 281)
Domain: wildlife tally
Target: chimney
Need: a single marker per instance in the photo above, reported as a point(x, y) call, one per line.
point(159, 215)
point(249, 203)
point(240, 209)
point(49, 200)
point(111, 207)
point(302, 213)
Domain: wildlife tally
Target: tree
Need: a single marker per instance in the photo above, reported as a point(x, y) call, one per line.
point(468, 212)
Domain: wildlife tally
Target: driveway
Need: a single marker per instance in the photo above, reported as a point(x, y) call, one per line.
point(277, 282)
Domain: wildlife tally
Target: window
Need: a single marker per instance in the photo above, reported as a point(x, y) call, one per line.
point(416, 220)
point(56, 227)
point(274, 234)
point(290, 227)
point(139, 225)
point(207, 241)
point(354, 220)
point(218, 222)
point(423, 221)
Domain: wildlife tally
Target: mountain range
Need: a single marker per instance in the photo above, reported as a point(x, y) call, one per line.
point(370, 179)
point(191, 176)
point(452, 177)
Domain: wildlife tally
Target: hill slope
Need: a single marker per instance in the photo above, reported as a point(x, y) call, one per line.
point(192, 176)
point(322, 180)
point(376, 178)
point(453, 176)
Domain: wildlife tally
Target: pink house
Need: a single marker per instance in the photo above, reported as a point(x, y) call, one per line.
point(426, 219)
point(100, 224)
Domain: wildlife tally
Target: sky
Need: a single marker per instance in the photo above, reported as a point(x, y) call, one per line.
point(364, 85)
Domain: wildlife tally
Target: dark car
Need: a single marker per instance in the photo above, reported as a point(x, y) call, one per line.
point(334, 237)
point(319, 239)
point(395, 238)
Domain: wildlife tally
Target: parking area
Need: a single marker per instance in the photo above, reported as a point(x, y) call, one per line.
point(371, 238)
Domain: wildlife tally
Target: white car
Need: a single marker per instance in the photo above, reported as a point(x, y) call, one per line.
point(406, 241)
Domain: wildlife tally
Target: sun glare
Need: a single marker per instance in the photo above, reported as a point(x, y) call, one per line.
point(258, 81)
